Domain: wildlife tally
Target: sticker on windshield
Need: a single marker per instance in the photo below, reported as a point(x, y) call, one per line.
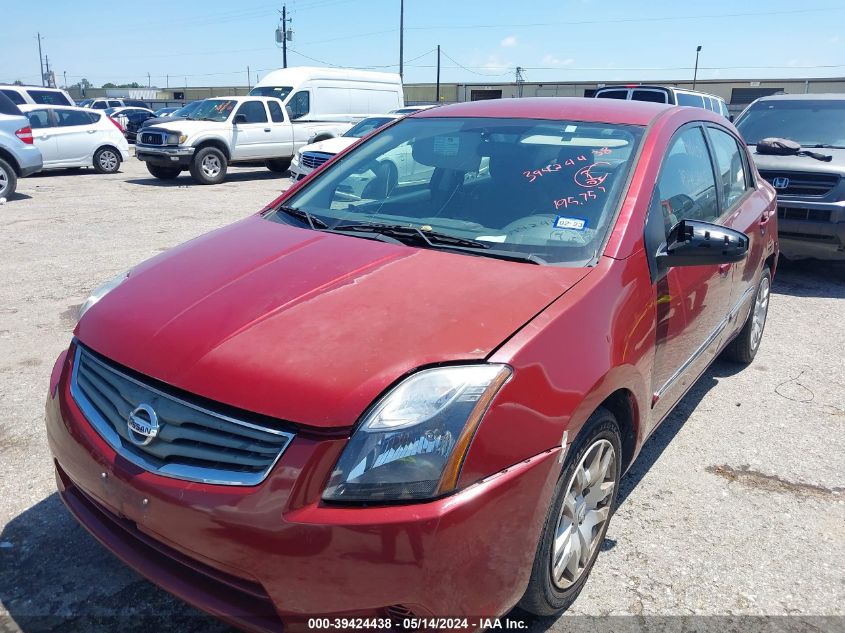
point(447, 145)
point(576, 224)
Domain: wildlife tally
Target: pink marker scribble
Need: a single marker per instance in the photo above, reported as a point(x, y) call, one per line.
point(584, 177)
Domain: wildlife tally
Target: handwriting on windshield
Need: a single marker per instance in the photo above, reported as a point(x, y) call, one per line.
point(534, 174)
point(585, 178)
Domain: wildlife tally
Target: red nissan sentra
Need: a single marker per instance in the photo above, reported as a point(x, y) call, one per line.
point(410, 385)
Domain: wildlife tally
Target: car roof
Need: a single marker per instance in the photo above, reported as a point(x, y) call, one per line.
point(826, 96)
point(26, 107)
point(556, 108)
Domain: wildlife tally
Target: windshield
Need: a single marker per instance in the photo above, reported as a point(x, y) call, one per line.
point(366, 126)
point(280, 92)
point(187, 110)
point(806, 122)
point(544, 189)
point(213, 110)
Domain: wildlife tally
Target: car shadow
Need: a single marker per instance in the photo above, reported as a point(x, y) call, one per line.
point(185, 179)
point(810, 278)
point(17, 196)
point(55, 577)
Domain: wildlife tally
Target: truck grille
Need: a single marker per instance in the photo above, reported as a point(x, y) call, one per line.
point(314, 159)
point(152, 138)
point(802, 183)
point(192, 442)
point(813, 215)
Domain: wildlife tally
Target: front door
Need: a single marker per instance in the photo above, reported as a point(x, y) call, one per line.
point(692, 302)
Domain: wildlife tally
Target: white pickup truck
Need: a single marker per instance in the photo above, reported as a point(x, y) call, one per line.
point(227, 130)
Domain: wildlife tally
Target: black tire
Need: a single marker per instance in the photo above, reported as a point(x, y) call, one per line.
point(107, 160)
point(544, 597)
point(744, 347)
point(278, 165)
point(8, 180)
point(164, 172)
point(209, 166)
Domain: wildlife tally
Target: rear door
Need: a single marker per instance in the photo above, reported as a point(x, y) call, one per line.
point(250, 134)
point(280, 142)
point(692, 302)
point(44, 134)
point(77, 136)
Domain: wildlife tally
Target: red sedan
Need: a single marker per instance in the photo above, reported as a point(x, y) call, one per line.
point(409, 386)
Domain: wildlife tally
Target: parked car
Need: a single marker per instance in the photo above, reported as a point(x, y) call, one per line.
point(332, 94)
point(180, 113)
point(665, 94)
point(111, 102)
point(225, 131)
point(309, 157)
point(71, 137)
point(811, 192)
point(428, 393)
point(131, 119)
point(412, 109)
point(18, 155)
point(19, 95)
point(165, 112)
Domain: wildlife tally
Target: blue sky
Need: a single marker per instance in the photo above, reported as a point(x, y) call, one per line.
point(212, 42)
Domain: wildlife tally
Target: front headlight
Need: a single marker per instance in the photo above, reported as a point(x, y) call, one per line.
point(295, 159)
point(100, 292)
point(412, 443)
point(176, 138)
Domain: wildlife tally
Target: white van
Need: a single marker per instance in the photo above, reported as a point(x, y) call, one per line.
point(36, 94)
point(665, 94)
point(332, 94)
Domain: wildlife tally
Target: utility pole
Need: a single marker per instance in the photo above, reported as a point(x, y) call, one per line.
point(248, 85)
point(65, 74)
point(695, 72)
point(284, 36)
point(437, 91)
point(47, 70)
point(520, 79)
point(149, 81)
point(40, 59)
point(401, 35)
point(167, 81)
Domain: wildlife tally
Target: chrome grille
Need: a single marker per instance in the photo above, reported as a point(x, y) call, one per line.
point(193, 442)
point(802, 183)
point(152, 138)
point(314, 159)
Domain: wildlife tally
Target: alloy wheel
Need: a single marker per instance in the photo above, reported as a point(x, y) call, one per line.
point(210, 166)
point(4, 181)
point(585, 510)
point(760, 311)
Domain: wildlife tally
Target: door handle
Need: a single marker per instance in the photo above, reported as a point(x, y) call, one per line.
point(91, 131)
point(43, 138)
point(764, 221)
point(724, 269)
point(266, 129)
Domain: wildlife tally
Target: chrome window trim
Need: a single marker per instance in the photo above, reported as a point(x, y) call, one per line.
point(201, 474)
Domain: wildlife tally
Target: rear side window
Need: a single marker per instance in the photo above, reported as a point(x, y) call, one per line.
point(39, 119)
point(276, 111)
point(115, 104)
point(654, 96)
point(48, 97)
point(69, 118)
point(730, 166)
point(99, 105)
point(14, 96)
point(253, 111)
point(299, 104)
point(686, 186)
point(613, 94)
point(686, 99)
point(724, 108)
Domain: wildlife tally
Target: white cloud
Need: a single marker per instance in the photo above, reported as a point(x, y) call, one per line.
point(833, 40)
point(551, 60)
point(509, 42)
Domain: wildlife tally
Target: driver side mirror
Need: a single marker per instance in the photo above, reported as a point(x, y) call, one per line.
point(697, 243)
point(239, 118)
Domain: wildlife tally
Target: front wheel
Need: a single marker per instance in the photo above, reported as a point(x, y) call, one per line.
point(744, 347)
point(578, 517)
point(208, 166)
point(164, 172)
point(278, 165)
point(107, 160)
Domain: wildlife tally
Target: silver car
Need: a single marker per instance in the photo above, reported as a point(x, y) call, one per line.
point(18, 155)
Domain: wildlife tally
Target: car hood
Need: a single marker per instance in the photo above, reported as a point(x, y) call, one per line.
point(306, 326)
point(185, 126)
point(331, 145)
point(802, 163)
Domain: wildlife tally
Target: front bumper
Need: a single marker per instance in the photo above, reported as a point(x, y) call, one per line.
point(299, 171)
point(809, 229)
point(272, 555)
point(164, 155)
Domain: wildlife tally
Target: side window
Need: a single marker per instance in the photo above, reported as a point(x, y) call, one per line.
point(69, 118)
point(299, 104)
point(253, 111)
point(655, 96)
point(276, 111)
point(686, 186)
point(99, 105)
point(115, 104)
point(613, 94)
point(93, 116)
point(724, 108)
point(38, 119)
point(687, 99)
point(730, 166)
point(15, 96)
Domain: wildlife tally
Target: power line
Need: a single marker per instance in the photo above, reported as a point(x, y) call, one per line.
point(475, 72)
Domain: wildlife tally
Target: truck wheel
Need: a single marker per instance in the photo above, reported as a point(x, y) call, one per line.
point(577, 521)
point(278, 165)
point(164, 172)
point(8, 180)
point(209, 166)
point(744, 347)
point(107, 160)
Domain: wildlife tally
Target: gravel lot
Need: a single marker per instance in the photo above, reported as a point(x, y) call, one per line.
point(735, 508)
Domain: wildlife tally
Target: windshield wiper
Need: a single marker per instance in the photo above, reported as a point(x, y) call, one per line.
point(303, 216)
point(431, 238)
point(824, 146)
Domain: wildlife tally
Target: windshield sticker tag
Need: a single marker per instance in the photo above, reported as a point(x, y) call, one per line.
point(576, 224)
point(447, 145)
point(492, 238)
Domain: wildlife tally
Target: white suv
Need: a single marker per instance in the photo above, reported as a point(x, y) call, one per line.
point(19, 95)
